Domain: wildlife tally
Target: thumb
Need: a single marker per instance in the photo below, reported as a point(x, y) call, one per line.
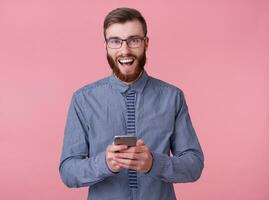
point(140, 142)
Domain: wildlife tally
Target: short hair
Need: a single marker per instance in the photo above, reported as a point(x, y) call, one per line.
point(122, 15)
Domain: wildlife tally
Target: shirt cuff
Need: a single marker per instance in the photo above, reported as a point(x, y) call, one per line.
point(158, 164)
point(102, 166)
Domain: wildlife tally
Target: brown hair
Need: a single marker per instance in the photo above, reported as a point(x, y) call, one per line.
point(122, 15)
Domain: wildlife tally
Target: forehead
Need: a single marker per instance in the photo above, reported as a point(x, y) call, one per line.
point(125, 30)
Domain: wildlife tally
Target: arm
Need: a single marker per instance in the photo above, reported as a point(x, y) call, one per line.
point(187, 162)
point(76, 168)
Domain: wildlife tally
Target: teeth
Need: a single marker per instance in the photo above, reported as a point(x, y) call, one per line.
point(123, 61)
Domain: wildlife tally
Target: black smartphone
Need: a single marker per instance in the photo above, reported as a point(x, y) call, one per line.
point(129, 140)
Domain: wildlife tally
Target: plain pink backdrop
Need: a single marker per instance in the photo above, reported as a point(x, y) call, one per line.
point(216, 51)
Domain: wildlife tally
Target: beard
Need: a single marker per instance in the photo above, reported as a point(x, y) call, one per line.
point(141, 61)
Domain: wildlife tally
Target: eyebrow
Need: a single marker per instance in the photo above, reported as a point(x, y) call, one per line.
point(132, 36)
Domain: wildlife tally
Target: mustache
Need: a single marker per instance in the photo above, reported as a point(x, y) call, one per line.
point(126, 55)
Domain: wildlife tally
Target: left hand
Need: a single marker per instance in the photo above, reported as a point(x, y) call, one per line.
point(137, 158)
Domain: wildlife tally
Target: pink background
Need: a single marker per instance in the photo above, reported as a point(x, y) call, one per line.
point(216, 51)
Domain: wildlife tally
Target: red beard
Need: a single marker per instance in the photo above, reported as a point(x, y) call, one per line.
point(131, 77)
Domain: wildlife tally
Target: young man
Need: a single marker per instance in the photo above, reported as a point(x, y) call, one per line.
point(129, 102)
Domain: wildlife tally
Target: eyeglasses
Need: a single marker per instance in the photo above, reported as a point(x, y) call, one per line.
point(132, 42)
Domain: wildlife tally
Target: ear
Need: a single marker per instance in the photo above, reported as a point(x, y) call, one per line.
point(105, 45)
point(146, 43)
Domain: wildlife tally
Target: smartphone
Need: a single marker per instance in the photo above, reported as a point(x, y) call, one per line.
point(129, 140)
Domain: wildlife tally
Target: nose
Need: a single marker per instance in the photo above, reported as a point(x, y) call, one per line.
point(124, 47)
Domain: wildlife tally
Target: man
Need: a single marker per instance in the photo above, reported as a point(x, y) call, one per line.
point(129, 102)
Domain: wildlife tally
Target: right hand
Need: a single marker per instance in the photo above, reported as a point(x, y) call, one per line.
point(110, 155)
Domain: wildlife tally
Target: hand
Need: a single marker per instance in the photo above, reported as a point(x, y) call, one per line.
point(111, 154)
point(138, 158)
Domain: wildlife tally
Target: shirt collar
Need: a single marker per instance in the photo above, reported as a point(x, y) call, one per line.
point(138, 85)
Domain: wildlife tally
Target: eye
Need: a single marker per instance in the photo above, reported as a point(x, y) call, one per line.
point(114, 41)
point(134, 40)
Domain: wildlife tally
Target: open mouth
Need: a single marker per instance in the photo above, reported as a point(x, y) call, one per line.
point(126, 61)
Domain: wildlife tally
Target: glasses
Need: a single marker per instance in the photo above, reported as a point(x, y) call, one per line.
point(132, 42)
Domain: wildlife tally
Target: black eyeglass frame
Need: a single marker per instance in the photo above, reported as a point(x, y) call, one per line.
point(126, 40)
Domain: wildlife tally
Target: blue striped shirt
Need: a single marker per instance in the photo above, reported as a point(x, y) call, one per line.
point(98, 112)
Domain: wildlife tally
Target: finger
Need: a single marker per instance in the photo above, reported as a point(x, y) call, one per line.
point(114, 148)
point(136, 149)
point(126, 162)
point(114, 166)
point(140, 142)
point(134, 167)
point(130, 156)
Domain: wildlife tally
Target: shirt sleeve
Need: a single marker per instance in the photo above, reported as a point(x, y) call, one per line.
point(187, 162)
point(76, 168)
